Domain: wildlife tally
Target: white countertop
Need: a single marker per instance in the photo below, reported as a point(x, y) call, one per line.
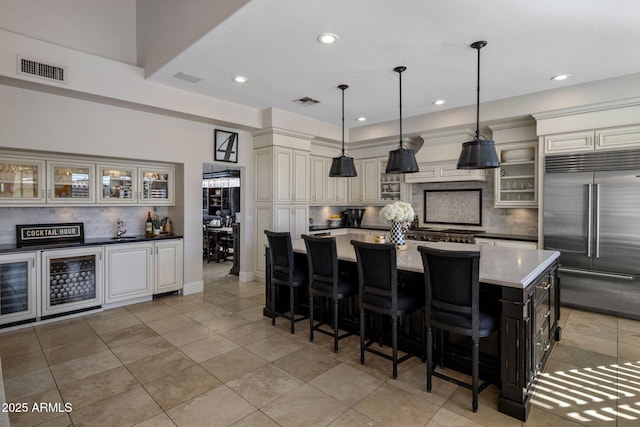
point(504, 266)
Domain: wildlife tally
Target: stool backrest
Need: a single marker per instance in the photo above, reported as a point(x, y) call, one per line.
point(322, 257)
point(280, 253)
point(377, 275)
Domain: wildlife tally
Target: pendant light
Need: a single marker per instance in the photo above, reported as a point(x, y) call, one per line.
point(342, 166)
point(479, 153)
point(402, 160)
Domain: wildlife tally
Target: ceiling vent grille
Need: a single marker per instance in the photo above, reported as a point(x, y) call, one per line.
point(306, 101)
point(30, 67)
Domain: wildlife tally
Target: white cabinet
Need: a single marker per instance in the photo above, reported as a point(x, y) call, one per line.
point(444, 172)
point(391, 186)
point(168, 266)
point(365, 186)
point(326, 189)
point(71, 182)
point(623, 137)
point(22, 180)
point(18, 284)
point(291, 175)
point(294, 219)
point(128, 271)
point(156, 185)
point(117, 184)
point(505, 243)
point(515, 179)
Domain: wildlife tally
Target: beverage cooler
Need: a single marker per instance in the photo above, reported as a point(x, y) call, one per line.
point(18, 284)
point(71, 280)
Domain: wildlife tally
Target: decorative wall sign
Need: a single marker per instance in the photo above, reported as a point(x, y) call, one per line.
point(43, 234)
point(460, 207)
point(226, 146)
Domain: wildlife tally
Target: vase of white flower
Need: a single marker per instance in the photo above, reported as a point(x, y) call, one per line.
point(399, 213)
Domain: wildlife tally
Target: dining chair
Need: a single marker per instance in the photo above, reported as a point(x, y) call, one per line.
point(452, 297)
point(379, 292)
point(326, 281)
point(283, 273)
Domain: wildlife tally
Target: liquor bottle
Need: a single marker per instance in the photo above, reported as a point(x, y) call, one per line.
point(148, 225)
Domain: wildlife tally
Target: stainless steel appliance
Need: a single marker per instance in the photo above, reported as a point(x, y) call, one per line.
point(426, 234)
point(592, 216)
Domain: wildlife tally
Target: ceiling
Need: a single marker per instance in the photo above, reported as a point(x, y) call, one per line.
point(273, 44)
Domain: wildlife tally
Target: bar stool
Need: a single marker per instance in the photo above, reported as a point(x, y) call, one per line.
point(325, 281)
point(284, 273)
point(379, 293)
point(452, 293)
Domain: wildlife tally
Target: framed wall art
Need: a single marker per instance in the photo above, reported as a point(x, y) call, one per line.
point(225, 146)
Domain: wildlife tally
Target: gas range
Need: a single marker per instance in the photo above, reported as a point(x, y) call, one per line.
point(427, 234)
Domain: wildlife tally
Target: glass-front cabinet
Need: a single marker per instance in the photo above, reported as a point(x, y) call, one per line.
point(18, 283)
point(157, 185)
point(515, 179)
point(117, 184)
point(71, 182)
point(391, 185)
point(21, 180)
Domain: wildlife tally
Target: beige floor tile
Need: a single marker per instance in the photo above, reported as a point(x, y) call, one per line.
point(264, 384)
point(128, 335)
point(446, 418)
point(393, 406)
point(205, 314)
point(33, 382)
point(20, 341)
point(274, 347)
point(128, 408)
point(60, 421)
point(23, 363)
point(253, 313)
point(147, 347)
point(65, 352)
point(218, 407)
point(67, 331)
point(160, 420)
point(33, 418)
point(83, 367)
point(541, 418)
point(172, 323)
point(256, 419)
point(234, 364)
point(630, 325)
point(107, 326)
point(346, 384)
point(250, 333)
point(307, 363)
point(180, 386)
point(188, 335)
point(414, 379)
point(591, 342)
point(207, 348)
point(237, 305)
point(305, 406)
point(353, 418)
point(227, 322)
point(594, 324)
point(579, 357)
point(156, 310)
point(487, 415)
point(158, 365)
point(91, 389)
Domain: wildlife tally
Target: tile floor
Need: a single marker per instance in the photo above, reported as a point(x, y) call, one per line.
point(212, 359)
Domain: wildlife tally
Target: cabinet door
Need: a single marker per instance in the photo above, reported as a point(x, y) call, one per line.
point(318, 179)
point(626, 137)
point(300, 176)
point(168, 266)
point(71, 182)
point(284, 175)
point(21, 180)
point(371, 180)
point(569, 142)
point(128, 271)
point(117, 184)
point(515, 179)
point(294, 219)
point(156, 185)
point(356, 186)
point(18, 283)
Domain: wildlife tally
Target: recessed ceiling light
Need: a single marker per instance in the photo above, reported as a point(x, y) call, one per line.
point(560, 77)
point(327, 38)
point(362, 119)
point(240, 79)
point(439, 101)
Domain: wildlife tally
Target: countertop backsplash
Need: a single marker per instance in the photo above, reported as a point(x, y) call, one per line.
point(98, 221)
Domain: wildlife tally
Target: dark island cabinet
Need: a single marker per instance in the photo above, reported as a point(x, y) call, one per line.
point(529, 330)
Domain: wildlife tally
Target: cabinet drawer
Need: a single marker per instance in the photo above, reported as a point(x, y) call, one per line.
point(542, 345)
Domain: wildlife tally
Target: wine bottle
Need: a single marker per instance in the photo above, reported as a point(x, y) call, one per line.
point(148, 225)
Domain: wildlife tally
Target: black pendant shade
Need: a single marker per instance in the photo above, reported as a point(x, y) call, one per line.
point(342, 166)
point(401, 160)
point(479, 153)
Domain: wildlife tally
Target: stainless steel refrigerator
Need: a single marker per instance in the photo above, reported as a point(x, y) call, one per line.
point(592, 216)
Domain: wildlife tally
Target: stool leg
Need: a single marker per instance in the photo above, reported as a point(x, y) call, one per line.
point(335, 326)
point(310, 317)
point(394, 344)
point(273, 303)
point(362, 316)
point(429, 357)
point(474, 368)
point(292, 308)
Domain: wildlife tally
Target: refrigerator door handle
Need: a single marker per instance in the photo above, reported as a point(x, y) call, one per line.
point(596, 273)
point(597, 209)
point(589, 218)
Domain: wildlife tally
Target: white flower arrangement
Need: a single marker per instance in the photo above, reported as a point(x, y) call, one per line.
point(397, 211)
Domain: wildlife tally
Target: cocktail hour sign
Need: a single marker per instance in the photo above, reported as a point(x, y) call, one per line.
point(39, 234)
point(226, 146)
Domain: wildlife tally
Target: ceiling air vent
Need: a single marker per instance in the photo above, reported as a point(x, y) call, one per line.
point(30, 67)
point(306, 101)
point(187, 77)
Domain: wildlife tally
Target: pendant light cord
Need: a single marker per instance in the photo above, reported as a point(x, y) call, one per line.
point(343, 87)
point(478, 98)
point(399, 70)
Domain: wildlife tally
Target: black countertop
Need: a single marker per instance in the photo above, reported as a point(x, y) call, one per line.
point(95, 241)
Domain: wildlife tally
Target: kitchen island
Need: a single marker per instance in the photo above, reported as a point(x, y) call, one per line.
point(524, 288)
